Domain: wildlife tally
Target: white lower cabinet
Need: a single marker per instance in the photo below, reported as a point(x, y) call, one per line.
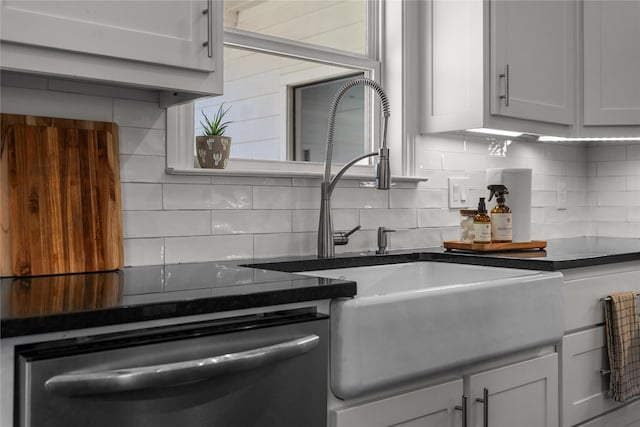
point(627, 416)
point(428, 407)
point(585, 382)
point(523, 394)
point(584, 355)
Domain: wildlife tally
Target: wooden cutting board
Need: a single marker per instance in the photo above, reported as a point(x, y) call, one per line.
point(60, 202)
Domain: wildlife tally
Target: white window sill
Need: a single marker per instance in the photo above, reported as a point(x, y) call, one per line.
point(361, 173)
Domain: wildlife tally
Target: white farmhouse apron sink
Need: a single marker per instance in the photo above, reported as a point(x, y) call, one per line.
point(410, 320)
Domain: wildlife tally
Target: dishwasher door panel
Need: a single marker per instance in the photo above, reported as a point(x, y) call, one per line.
point(260, 390)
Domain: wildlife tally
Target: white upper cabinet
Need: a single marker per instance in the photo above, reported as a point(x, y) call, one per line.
point(531, 63)
point(611, 62)
point(498, 64)
point(167, 45)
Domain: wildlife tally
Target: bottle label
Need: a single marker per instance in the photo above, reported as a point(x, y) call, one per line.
point(501, 227)
point(482, 232)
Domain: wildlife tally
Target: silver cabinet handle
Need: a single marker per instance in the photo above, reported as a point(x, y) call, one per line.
point(172, 374)
point(485, 411)
point(209, 43)
point(604, 372)
point(505, 76)
point(463, 408)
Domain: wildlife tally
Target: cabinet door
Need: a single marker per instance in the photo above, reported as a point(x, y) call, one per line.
point(627, 416)
point(429, 407)
point(611, 62)
point(532, 59)
point(584, 387)
point(524, 394)
point(160, 32)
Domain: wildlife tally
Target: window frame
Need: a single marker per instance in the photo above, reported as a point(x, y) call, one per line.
point(180, 119)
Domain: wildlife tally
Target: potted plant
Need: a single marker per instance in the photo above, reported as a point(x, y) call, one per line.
point(212, 147)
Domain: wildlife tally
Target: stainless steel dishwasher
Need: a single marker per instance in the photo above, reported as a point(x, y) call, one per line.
point(260, 370)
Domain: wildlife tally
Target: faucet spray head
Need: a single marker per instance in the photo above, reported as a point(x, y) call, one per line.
point(383, 170)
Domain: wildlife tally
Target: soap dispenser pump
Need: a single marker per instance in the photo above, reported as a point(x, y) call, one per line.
point(501, 218)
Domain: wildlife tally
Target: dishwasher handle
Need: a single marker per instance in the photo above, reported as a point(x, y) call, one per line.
point(178, 373)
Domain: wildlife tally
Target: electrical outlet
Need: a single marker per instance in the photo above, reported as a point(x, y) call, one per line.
point(561, 195)
point(458, 192)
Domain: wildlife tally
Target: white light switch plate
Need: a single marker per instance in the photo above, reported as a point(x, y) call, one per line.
point(458, 192)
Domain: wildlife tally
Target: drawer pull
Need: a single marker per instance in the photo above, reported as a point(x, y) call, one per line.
point(463, 408)
point(485, 411)
point(604, 372)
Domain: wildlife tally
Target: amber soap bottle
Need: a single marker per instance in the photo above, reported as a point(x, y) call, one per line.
point(501, 224)
point(482, 224)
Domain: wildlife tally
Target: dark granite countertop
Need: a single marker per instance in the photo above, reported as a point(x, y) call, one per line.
point(65, 302)
point(32, 305)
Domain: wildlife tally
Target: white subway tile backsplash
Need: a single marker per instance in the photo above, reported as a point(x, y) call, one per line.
point(633, 151)
point(362, 241)
point(165, 223)
point(139, 114)
point(286, 198)
point(180, 218)
point(251, 221)
point(365, 198)
point(47, 103)
point(283, 244)
point(542, 198)
point(142, 141)
point(371, 219)
point(418, 199)
point(427, 159)
point(143, 251)
point(438, 218)
point(141, 197)
point(618, 229)
point(607, 214)
point(189, 196)
point(208, 248)
point(251, 180)
point(613, 198)
point(419, 238)
point(604, 153)
point(152, 169)
point(602, 183)
point(631, 167)
point(633, 215)
point(307, 219)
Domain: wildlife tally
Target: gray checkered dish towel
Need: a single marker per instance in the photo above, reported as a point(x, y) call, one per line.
point(623, 345)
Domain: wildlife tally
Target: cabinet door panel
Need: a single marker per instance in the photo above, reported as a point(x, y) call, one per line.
point(163, 32)
point(524, 394)
point(535, 40)
point(430, 407)
point(611, 62)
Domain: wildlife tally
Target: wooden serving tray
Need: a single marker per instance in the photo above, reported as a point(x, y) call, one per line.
point(494, 247)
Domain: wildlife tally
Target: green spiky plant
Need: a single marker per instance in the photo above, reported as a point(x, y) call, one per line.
point(217, 126)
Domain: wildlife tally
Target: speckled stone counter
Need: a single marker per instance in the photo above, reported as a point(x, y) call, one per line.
point(65, 302)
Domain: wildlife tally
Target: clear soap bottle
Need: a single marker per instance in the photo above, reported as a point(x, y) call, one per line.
point(482, 224)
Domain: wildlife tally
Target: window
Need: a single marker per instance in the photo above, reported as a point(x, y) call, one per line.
point(280, 51)
point(310, 111)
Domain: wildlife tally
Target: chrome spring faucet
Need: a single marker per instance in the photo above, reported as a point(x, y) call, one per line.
point(326, 236)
